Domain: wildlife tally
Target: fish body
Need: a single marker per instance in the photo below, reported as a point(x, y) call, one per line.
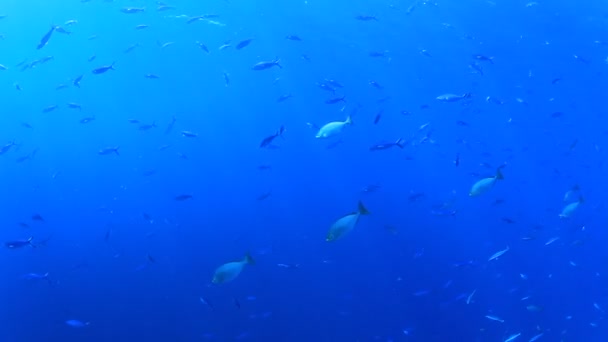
point(269, 139)
point(452, 97)
point(333, 128)
point(569, 209)
point(498, 254)
point(184, 197)
point(494, 318)
point(103, 69)
point(335, 100)
point(345, 224)
point(243, 43)
point(267, 64)
point(366, 18)
point(189, 134)
point(132, 10)
point(45, 39)
point(386, 146)
point(485, 184)
point(229, 271)
point(512, 337)
point(284, 97)
point(74, 323)
point(293, 37)
point(109, 150)
point(15, 244)
point(7, 147)
point(77, 80)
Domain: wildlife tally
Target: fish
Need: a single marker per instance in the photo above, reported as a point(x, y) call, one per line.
point(60, 29)
point(37, 276)
point(378, 117)
point(132, 10)
point(74, 323)
point(345, 224)
point(87, 119)
point(15, 244)
point(376, 85)
point(495, 318)
point(335, 100)
point(536, 337)
point(131, 48)
point(269, 139)
point(183, 197)
point(7, 147)
point(569, 209)
point(202, 46)
point(267, 64)
point(470, 297)
point(512, 337)
point(73, 105)
point(386, 146)
point(37, 217)
point(498, 254)
point(284, 97)
point(366, 18)
point(333, 128)
point(45, 39)
point(103, 69)
point(152, 76)
point(147, 127)
point(485, 184)
point(484, 58)
point(49, 108)
point(243, 43)
point(109, 150)
point(293, 38)
point(189, 134)
point(141, 27)
point(231, 270)
point(77, 80)
point(170, 125)
point(453, 98)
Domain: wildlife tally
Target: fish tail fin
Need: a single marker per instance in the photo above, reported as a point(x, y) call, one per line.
point(112, 65)
point(249, 259)
point(277, 62)
point(499, 175)
point(115, 150)
point(467, 95)
point(349, 120)
point(581, 199)
point(362, 209)
point(399, 143)
point(343, 98)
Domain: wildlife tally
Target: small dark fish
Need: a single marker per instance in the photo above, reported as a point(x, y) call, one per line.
point(371, 188)
point(7, 147)
point(386, 146)
point(484, 58)
point(92, 58)
point(264, 167)
point(326, 87)
point(147, 127)
point(457, 160)
point(377, 118)
point(73, 105)
point(26, 125)
point(132, 10)
point(151, 76)
point(206, 302)
point(293, 37)
point(376, 85)
point(226, 79)
point(170, 125)
point(131, 48)
point(382, 100)
point(236, 303)
point(333, 83)
point(377, 54)
point(508, 220)
point(18, 87)
point(23, 225)
point(267, 64)
point(109, 150)
point(305, 57)
point(182, 198)
point(49, 108)
point(284, 97)
point(189, 134)
point(45, 39)
point(264, 196)
point(150, 259)
point(61, 86)
point(77, 80)
point(269, 139)
point(556, 115)
point(462, 123)
point(366, 18)
point(476, 67)
point(133, 121)
point(104, 69)
point(243, 43)
point(335, 100)
point(141, 27)
point(555, 80)
point(37, 217)
point(202, 46)
point(19, 243)
point(498, 201)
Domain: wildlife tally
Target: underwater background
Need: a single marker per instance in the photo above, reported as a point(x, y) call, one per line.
point(144, 145)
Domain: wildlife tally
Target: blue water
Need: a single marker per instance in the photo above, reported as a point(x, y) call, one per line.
point(126, 261)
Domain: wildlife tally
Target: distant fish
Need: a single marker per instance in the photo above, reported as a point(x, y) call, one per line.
point(183, 197)
point(77, 80)
point(141, 27)
point(335, 100)
point(388, 145)
point(45, 39)
point(15, 244)
point(243, 43)
point(109, 150)
point(485, 184)
point(333, 128)
point(284, 97)
point(267, 64)
point(293, 37)
point(498, 254)
point(37, 217)
point(103, 69)
point(170, 125)
point(74, 323)
point(189, 134)
point(269, 139)
point(345, 224)
point(452, 97)
point(366, 18)
point(231, 270)
point(49, 108)
point(495, 318)
point(132, 10)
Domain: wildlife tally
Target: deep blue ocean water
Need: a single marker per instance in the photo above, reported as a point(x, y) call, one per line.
point(128, 259)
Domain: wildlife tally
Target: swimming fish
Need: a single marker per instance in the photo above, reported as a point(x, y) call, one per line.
point(333, 128)
point(74, 323)
point(45, 39)
point(267, 64)
point(346, 224)
point(452, 97)
point(485, 184)
point(103, 69)
point(571, 208)
point(498, 254)
point(229, 271)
